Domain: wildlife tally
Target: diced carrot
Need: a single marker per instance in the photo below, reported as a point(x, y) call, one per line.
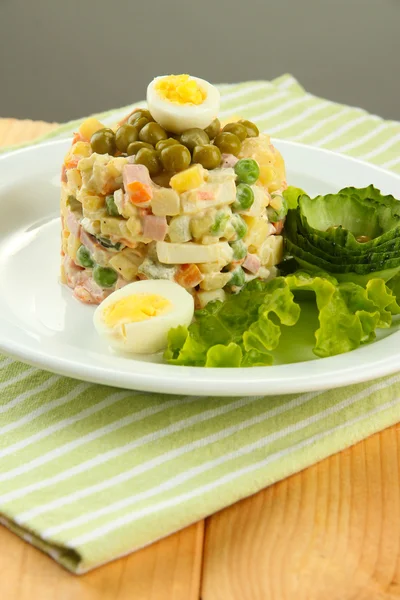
point(77, 138)
point(139, 192)
point(73, 163)
point(128, 243)
point(189, 276)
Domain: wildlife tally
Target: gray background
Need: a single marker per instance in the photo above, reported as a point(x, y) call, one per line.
point(64, 59)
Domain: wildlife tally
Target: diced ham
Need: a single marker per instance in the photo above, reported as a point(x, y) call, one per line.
point(155, 228)
point(89, 241)
point(81, 281)
point(63, 174)
point(252, 263)
point(228, 161)
point(133, 173)
point(73, 224)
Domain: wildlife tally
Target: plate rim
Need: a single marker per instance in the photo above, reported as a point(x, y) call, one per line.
point(219, 382)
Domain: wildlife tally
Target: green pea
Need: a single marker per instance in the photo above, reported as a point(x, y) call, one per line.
point(104, 277)
point(228, 143)
point(139, 123)
point(209, 156)
point(139, 114)
point(277, 214)
point(238, 278)
point(152, 133)
point(221, 221)
point(136, 146)
point(149, 159)
point(194, 137)
point(238, 129)
point(165, 143)
point(111, 206)
point(84, 257)
point(126, 134)
point(251, 128)
point(239, 225)
point(103, 141)
point(239, 249)
point(175, 158)
point(213, 129)
point(244, 197)
point(247, 170)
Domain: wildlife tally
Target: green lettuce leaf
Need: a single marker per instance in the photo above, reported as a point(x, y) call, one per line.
point(246, 329)
point(224, 356)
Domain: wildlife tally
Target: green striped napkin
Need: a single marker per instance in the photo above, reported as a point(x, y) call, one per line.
point(89, 473)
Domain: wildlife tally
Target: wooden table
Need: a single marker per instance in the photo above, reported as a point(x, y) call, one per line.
point(331, 532)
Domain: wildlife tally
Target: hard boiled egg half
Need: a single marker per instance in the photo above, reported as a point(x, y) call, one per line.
point(180, 102)
point(137, 317)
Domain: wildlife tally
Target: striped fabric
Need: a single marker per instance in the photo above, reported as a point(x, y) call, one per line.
point(89, 473)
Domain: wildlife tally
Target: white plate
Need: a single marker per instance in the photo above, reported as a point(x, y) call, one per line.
point(42, 324)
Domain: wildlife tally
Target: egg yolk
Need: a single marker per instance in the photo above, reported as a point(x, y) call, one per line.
point(180, 89)
point(138, 307)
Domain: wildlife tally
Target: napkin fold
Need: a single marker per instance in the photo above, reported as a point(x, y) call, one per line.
point(89, 473)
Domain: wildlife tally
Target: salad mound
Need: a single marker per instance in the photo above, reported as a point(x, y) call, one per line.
point(170, 193)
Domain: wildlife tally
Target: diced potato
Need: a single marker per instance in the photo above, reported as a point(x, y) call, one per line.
point(210, 239)
point(134, 226)
point(64, 240)
point(179, 229)
point(92, 203)
point(72, 246)
point(165, 202)
point(271, 251)
point(258, 231)
point(74, 180)
point(201, 225)
point(124, 266)
point(83, 149)
point(112, 226)
point(213, 267)
point(205, 297)
point(89, 127)
point(214, 281)
point(63, 277)
point(133, 256)
point(116, 165)
point(189, 179)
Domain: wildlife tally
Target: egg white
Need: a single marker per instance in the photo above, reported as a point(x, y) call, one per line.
point(148, 336)
point(179, 117)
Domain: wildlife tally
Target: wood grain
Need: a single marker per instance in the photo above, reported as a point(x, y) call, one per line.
point(330, 532)
point(167, 570)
